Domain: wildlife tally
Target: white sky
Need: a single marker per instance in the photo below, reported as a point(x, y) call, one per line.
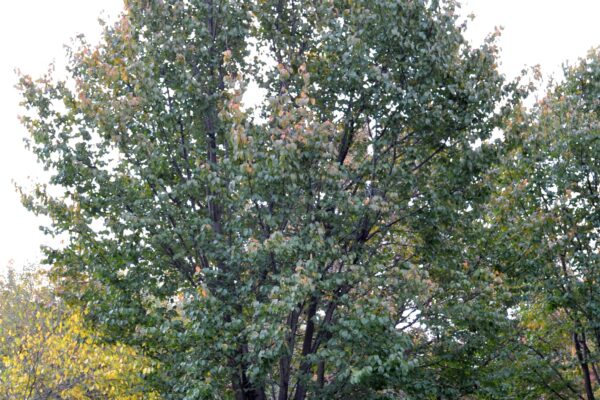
point(33, 32)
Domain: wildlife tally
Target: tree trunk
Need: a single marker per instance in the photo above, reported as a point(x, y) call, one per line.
point(585, 369)
point(306, 350)
point(587, 353)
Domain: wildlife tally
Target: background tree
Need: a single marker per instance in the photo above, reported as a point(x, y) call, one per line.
point(549, 223)
point(47, 351)
point(313, 247)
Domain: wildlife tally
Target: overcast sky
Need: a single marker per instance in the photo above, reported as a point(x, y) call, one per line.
point(33, 32)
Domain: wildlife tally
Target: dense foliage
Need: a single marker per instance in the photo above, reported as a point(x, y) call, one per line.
point(47, 351)
point(548, 208)
point(353, 236)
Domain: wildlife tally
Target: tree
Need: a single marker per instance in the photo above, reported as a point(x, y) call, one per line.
point(287, 251)
point(549, 210)
point(47, 352)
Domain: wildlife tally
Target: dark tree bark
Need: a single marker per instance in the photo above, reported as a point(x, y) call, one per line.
point(585, 369)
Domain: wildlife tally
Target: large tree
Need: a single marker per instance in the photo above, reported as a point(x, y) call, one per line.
point(316, 246)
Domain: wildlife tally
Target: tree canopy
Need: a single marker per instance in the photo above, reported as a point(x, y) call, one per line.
point(548, 211)
point(48, 352)
point(346, 237)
